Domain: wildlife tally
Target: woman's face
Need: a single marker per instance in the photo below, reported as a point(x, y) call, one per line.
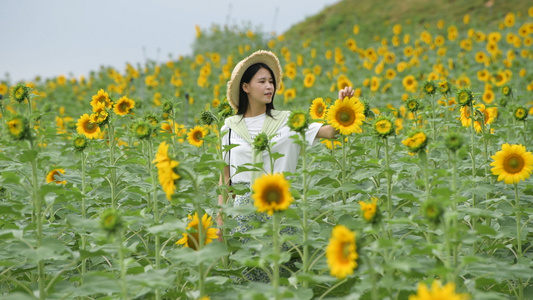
point(260, 89)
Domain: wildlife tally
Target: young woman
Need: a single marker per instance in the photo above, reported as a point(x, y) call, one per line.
point(250, 91)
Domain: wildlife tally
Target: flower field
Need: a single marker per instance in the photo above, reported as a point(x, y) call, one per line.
point(109, 184)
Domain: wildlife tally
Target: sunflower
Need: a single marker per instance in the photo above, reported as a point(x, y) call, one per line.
point(488, 96)
point(142, 129)
point(261, 142)
point(191, 239)
point(507, 91)
point(102, 97)
point(341, 252)
point(167, 106)
point(318, 109)
point(123, 106)
point(224, 109)
point(409, 83)
point(271, 193)
point(151, 119)
point(51, 177)
point(453, 141)
point(483, 116)
point(432, 211)
point(416, 142)
point(412, 104)
point(438, 292)
point(370, 210)
point(18, 127)
point(465, 97)
point(100, 114)
point(383, 127)
point(520, 113)
point(512, 163)
point(86, 127)
point(444, 87)
point(429, 88)
point(207, 117)
point(309, 80)
point(298, 121)
point(79, 142)
point(166, 169)
point(346, 115)
point(331, 144)
point(343, 81)
point(111, 220)
point(196, 135)
point(20, 92)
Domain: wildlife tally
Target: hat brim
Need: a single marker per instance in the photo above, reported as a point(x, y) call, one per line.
point(261, 56)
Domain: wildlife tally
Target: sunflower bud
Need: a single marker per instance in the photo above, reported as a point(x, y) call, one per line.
point(433, 211)
point(111, 221)
point(151, 119)
point(429, 88)
point(207, 117)
point(298, 121)
point(20, 92)
point(142, 129)
point(167, 106)
point(79, 142)
point(520, 113)
point(412, 104)
point(465, 97)
point(18, 127)
point(261, 142)
point(507, 91)
point(454, 141)
point(224, 109)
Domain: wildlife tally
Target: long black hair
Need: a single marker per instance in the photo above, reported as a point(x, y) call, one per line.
point(246, 78)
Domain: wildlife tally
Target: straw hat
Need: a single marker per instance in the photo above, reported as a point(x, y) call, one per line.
point(261, 56)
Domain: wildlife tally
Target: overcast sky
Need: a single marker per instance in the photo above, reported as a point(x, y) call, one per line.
point(73, 37)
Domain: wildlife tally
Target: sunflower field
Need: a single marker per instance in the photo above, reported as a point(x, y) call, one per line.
point(109, 184)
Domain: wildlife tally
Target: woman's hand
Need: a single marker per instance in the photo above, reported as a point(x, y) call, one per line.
point(346, 92)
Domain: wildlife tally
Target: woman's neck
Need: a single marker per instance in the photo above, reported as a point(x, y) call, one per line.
point(254, 111)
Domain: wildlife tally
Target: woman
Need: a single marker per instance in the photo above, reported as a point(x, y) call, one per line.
point(251, 90)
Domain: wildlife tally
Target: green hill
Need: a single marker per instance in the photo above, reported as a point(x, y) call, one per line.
point(335, 21)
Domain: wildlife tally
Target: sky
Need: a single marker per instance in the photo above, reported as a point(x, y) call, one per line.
point(49, 38)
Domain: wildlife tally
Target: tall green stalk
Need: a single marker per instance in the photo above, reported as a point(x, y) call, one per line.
point(38, 208)
point(83, 159)
point(305, 208)
point(155, 211)
point(275, 244)
point(343, 166)
point(112, 170)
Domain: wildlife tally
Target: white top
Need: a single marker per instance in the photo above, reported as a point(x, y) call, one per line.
point(283, 144)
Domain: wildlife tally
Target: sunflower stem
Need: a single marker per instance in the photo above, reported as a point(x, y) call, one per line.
point(389, 179)
point(343, 169)
point(305, 258)
point(155, 212)
point(473, 156)
point(112, 170)
point(37, 203)
point(83, 212)
point(123, 282)
point(275, 244)
point(518, 216)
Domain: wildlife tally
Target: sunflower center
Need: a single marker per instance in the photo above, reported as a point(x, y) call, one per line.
point(345, 249)
point(346, 117)
point(272, 196)
point(320, 110)
point(198, 135)
point(513, 164)
point(90, 127)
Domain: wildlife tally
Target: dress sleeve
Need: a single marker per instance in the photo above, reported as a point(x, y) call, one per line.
point(311, 132)
point(224, 131)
